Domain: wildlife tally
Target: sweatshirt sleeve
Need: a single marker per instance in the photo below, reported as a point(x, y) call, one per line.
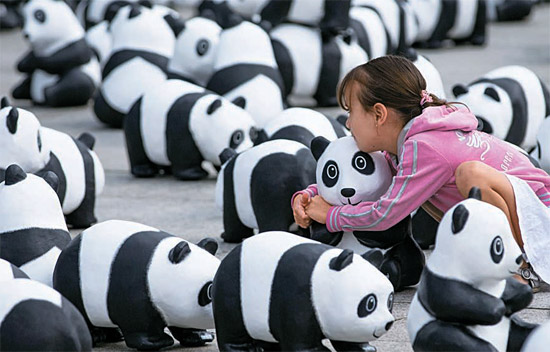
point(421, 173)
point(311, 190)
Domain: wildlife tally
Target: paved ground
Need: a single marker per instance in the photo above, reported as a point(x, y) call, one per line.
point(187, 208)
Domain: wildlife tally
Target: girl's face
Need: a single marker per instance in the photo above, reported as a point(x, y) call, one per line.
point(362, 123)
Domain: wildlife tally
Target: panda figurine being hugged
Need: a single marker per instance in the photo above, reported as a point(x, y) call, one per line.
point(141, 280)
point(254, 188)
point(467, 296)
point(39, 149)
point(50, 321)
point(32, 227)
point(345, 175)
point(61, 68)
point(509, 102)
point(178, 125)
point(281, 292)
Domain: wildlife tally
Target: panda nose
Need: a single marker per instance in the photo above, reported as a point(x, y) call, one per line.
point(26, 35)
point(389, 325)
point(347, 192)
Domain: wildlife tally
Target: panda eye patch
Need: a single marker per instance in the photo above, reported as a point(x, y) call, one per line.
point(236, 139)
point(202, 47)
point(39, 142)
point(363, 163)
point(390, 302)
point(367, 306)
point(40, 16)
point(497, 249)
point(330, 173)
point(205, 295)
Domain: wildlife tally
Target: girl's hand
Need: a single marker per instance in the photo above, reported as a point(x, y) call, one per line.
point(317, 209)
point(299, 210)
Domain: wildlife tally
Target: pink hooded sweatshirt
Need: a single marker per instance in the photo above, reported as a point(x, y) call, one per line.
point(430, 147)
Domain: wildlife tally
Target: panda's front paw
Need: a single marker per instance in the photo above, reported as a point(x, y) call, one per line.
point(192, 337)
point(352, 346)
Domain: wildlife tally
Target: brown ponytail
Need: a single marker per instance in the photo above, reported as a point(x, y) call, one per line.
point(391, 80)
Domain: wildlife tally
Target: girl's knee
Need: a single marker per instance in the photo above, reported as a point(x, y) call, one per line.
point(470, 171)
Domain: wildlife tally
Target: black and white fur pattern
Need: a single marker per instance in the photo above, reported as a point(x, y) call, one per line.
point(32, 227)
point(35, 317)
point(467, 296)
point(345, 175)
point(39, 149)
point(370, 30)
point(312, 67)
point(246, 67)
point(541, 153)
point(509, 102)
point(283, 292)
point(179, 125)
point(92, 12)
point(273, 170)
point(143, 41)
point(301, 125)
point(141, 280)
point(8, 271)
point(61, 69)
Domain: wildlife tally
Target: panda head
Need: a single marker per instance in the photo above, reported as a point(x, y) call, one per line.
point(353, 300)
point(140, 28)
point(181, 283)
point(196, 48)
point(20, 139)
point(30, 201)
point(475, 244)
point(50, 25)
point(217, 123)
point(346, 175)
point(491, 105)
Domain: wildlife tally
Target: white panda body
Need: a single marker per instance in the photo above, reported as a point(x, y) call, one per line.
point(371, 23)
point(465, 19)
point(427, 12)
point(434, 83)
point(306, 11)
point(99, 39)
point(389, 12)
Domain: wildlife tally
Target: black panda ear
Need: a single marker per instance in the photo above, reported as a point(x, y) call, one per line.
point(340, 262)
point(460, 217)
point(51, 178)
point(375, 257)
point(318, 146)
point(146, 3)
point(87, 139)
point(14, 174)
point(11, 120)
point(226, 155)
point(492, 93)
point(342, 120)
point(5, 102)
point(179, 252)
point(176, 24)
point(459, 89)
point(215, 105)
point(475, 193)
point(208, 244)
point(239, 101)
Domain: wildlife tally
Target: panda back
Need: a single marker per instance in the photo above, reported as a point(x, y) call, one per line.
point(464, 19)
point(260, 255)
point(352, 55)
point(307, 119)
point(98, 249)
point(155, 106)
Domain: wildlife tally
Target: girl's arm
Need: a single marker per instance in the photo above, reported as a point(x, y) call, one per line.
point(421, 173)
point(311, 190)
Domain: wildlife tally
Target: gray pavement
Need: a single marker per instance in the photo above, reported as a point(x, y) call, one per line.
point(187, 209)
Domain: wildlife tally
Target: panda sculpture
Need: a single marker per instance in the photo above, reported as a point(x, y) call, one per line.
point(99, 39)
point(541, 153)
point(509, 102)
point(509, 10)
point(254, 188)
point(246, 67)
point(32, 228)
point(178, 125)
point(8, 271)
point(301, 125)
point(141, 280)
point(143, 41)
point(39, 149)
point(60, 68)
point(195, 51)
point(92, 12)
point(10, 14)
point(311, 68)
point(539, 339)
point(282, 292)
point(345, 175)
point(35, 317)
point(328, 15)
point(434, 83)
point(467, 297)
point(368, 26)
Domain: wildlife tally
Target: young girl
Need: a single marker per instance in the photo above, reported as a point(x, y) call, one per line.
point(437, 156)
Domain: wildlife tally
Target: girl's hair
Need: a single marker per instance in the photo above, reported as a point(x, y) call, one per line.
point(391, 80)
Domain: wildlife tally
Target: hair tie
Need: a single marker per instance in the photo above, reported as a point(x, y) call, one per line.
point(426, 98)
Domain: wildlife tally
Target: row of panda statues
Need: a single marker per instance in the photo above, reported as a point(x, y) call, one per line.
point(276, 290)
